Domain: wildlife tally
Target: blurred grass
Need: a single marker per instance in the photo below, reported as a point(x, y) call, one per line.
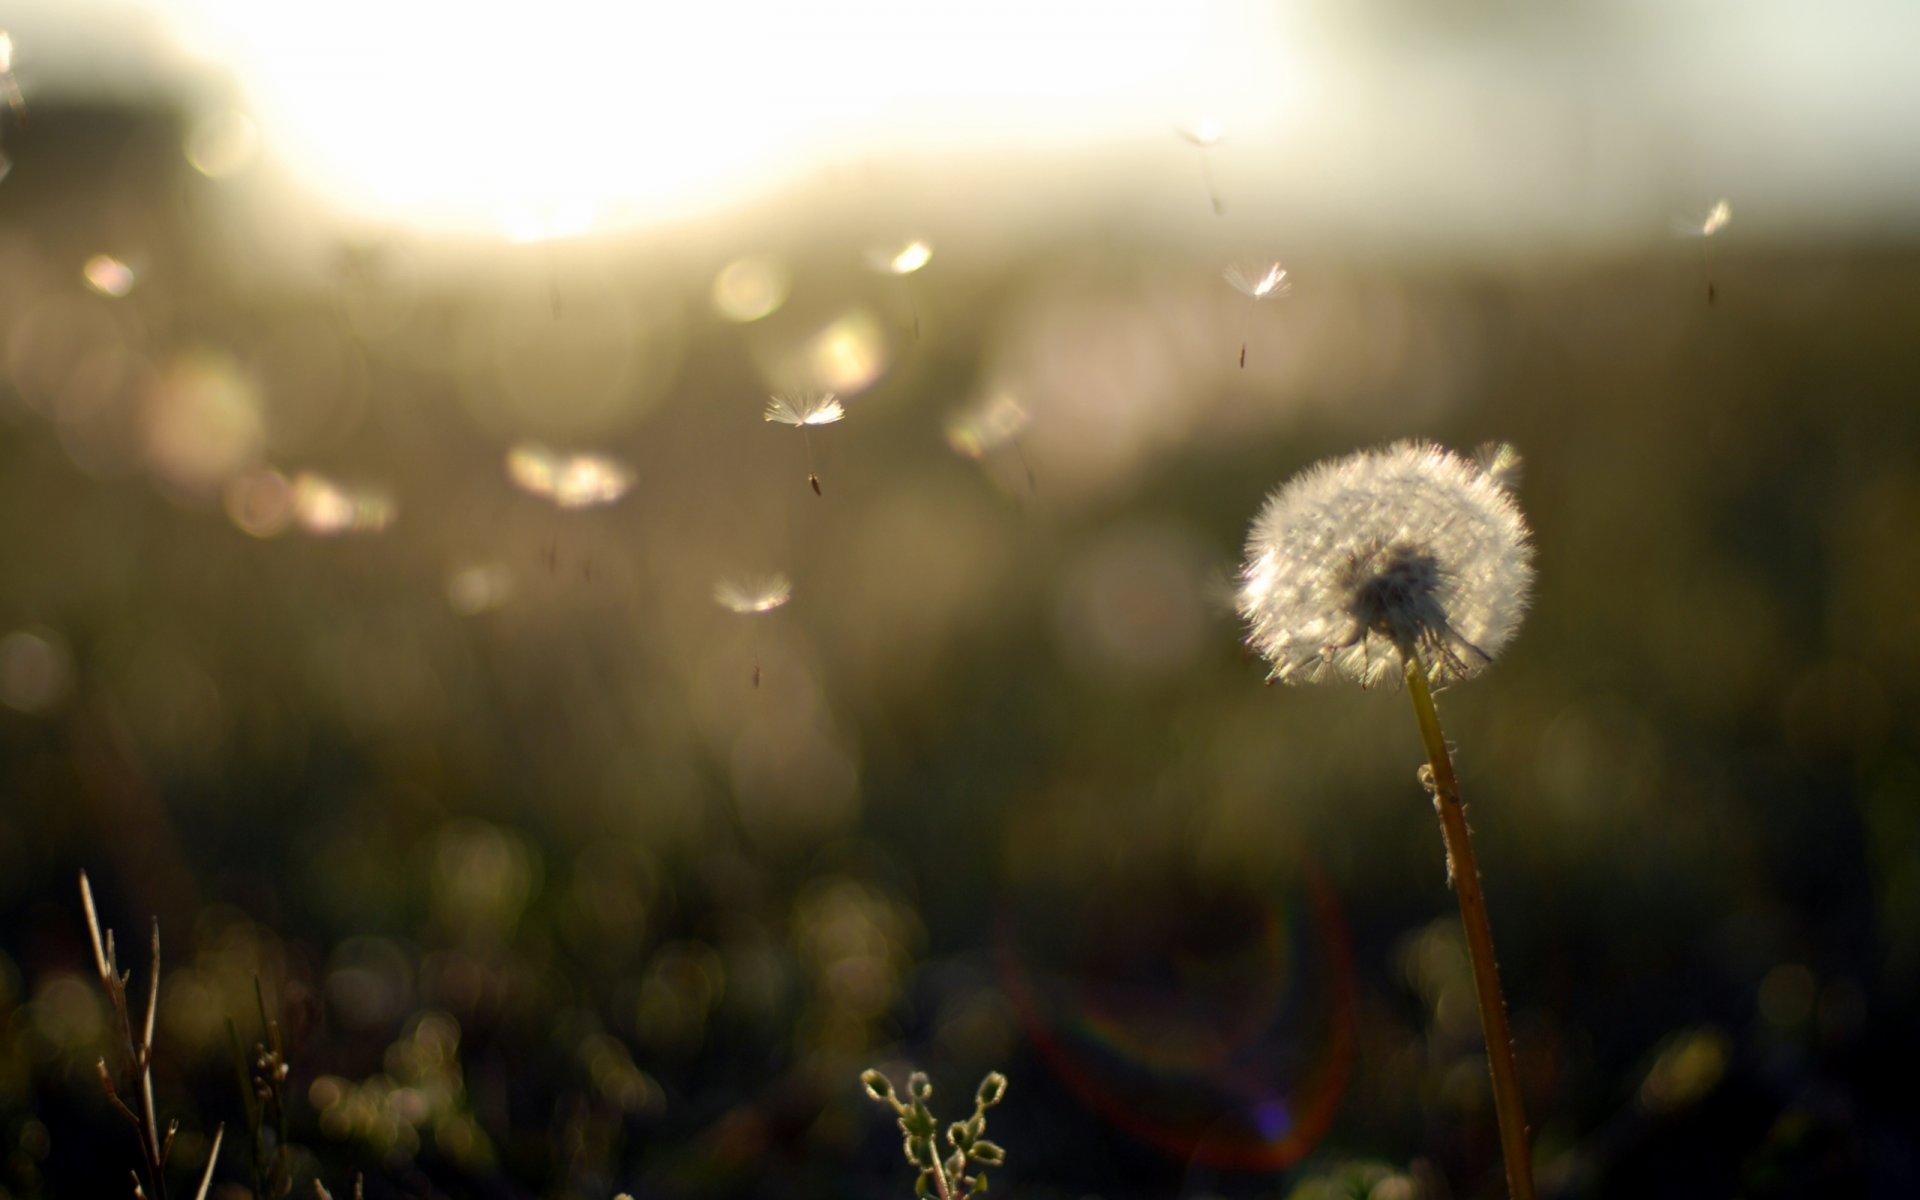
point(557, 900)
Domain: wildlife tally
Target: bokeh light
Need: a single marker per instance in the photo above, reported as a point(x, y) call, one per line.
point(569, 480)
point(108, 276)
point(326, 508)
point(748, 289)
point(36, 670)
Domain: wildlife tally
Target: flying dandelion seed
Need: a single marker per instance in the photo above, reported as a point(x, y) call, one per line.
point(7, 82)
point(1204, 135)
point(1703, 228)
point(802, 410)
point(1256, 283)
point(1357, 565)
point(749, 597)
point(985, 426)
point(760, 594)
point(568, 480)
point(900, 260)
point(903, 261)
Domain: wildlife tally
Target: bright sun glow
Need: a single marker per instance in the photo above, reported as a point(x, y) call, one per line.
point(519, 119)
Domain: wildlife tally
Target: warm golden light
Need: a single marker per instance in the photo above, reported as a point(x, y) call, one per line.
point(850, 354)
point(645, 111)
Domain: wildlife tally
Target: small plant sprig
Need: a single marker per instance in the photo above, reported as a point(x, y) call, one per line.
point(960, 1174)
point(138, 1076)
point(263, 1089)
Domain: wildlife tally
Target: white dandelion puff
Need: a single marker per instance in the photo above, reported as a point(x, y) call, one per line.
point(759, 594)
point(1408, 552)
point(802, 410)
point(1256, 283)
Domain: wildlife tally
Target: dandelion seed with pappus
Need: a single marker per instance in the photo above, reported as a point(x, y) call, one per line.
point(1407, 562)
point(1256, 283)
point(801, 410)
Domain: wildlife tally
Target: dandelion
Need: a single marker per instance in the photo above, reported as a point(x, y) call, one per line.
point(1356, 564)
point(1256, 283)
point(802, 410)
point(1406, 561)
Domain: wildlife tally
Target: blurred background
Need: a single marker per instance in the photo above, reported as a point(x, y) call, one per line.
point(406, 602)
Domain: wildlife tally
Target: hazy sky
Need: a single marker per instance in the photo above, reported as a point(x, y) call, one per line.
point(1496, 121)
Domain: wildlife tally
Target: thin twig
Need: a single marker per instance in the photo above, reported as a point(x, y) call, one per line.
point(139, 1049)
point(213, 1156)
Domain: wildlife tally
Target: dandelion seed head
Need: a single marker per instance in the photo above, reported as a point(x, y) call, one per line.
point(804, 408)
point(758, 595)
point(1356, 561)
point(1258, 282)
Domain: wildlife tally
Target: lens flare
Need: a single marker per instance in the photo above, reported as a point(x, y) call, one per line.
point(1205, 1020)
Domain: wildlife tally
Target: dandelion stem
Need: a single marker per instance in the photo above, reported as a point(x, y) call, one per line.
point(1464, 874)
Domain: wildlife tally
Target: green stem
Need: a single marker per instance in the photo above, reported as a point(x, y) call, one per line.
point(1464, 874)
